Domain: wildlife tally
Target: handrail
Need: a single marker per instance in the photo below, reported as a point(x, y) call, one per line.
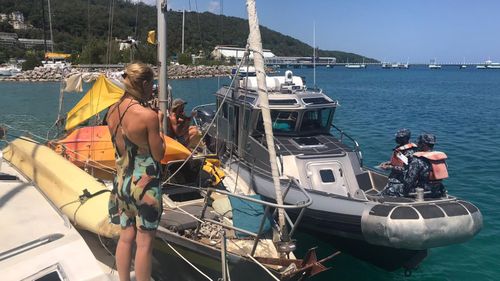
point(200, 106)
point(356, 147)
point(302, 205)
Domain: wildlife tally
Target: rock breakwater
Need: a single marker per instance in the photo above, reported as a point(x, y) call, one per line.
point(46, 74)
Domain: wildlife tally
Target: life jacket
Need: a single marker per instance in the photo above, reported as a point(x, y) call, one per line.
point(216, 174)
point(399, 154)
point(439, 169)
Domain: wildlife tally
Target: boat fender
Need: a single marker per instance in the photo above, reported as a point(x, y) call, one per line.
point(438, 164)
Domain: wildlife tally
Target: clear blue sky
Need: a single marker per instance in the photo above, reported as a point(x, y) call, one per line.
point(390, 30)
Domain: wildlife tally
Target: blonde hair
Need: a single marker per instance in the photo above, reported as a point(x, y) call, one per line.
point(135, 74)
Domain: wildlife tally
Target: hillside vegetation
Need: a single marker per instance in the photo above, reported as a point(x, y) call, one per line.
point(81, 27)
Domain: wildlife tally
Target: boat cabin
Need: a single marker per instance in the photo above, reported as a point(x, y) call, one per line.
point(295, 111)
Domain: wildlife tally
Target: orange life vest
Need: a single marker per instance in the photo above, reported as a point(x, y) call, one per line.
point(395, 160)
point(437, 159)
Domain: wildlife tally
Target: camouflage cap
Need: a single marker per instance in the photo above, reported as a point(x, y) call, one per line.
point(403, 133)
point(427, 138)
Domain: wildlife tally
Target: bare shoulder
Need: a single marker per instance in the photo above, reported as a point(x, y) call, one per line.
point(145, 114)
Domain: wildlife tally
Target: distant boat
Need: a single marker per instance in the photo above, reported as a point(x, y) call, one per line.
point(355, 66)
point(9, 70)
point(489, 65)
point(393, 65)
point(463, 66)
point(434, 65)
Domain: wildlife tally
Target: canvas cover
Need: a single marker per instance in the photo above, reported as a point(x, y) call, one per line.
point(101, 96)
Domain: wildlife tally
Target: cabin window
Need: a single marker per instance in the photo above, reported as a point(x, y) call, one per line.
point(246, 119)
point(225, 111)
point(327, 176)
point(317, 119)
point(283, 121)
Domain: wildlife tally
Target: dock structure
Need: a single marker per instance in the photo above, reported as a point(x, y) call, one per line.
point(300, 61)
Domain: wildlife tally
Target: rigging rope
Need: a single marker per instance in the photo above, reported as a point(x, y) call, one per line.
point(211, 122)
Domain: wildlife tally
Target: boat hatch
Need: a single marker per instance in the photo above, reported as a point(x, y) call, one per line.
point(327, 177)
point(51, 273)
point(307, 142)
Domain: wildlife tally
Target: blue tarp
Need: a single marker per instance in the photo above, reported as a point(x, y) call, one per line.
point(248, 215)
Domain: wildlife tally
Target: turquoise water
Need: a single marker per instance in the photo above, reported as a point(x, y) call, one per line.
point(461, 107)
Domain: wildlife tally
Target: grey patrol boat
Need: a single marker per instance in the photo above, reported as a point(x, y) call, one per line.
point(347, 209)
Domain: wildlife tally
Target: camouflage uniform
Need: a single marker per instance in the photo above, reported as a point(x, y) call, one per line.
point(417, 175)
point(395, 186)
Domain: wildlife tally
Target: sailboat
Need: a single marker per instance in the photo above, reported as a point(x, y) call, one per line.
point(355, 66)
point(434, 65)
point(201, 243)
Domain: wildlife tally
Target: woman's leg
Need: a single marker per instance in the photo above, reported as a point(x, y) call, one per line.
point(124, 252)
point(143, 254)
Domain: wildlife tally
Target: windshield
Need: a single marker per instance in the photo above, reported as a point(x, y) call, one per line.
point(317, 119)
point(283, 121)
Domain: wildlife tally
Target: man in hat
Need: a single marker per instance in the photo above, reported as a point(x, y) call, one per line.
point(179, 124)
point(427, 169)
point(398, 163)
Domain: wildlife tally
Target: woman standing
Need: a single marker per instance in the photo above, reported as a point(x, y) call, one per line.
point(136, 197)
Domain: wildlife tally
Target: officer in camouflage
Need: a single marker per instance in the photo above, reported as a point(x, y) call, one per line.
point(426, 169)
point(398, 163)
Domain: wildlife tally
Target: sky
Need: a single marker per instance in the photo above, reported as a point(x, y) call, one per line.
point(418, 31)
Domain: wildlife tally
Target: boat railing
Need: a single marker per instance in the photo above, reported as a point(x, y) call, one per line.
point(268, 208)
point(355, 144)
point(302, 205)
point(198, 107)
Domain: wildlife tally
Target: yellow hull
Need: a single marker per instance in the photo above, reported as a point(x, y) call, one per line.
point(63, 183)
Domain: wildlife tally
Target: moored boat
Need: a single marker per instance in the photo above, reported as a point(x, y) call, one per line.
point(327, 162)
point(489, 65)
point(38, 242)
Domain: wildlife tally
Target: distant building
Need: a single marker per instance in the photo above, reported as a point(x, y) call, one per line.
point(8, 39)
point(16, 19)
point(11, 39)
point(33, 43)
point(228, 52)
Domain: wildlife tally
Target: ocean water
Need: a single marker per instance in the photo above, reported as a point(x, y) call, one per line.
point(461, 107)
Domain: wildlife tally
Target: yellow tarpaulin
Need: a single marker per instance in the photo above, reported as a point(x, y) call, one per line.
point(101, 96)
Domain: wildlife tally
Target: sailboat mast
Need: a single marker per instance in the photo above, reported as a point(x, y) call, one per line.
point(50, 28)
point(183, 22)
point(255, 42)
point(161, 7)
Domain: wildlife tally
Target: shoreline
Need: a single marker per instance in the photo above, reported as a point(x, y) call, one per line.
point(175, 72)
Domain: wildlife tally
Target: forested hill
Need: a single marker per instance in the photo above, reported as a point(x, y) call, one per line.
point(82, 26)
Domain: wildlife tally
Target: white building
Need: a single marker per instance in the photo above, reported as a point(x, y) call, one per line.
point(229, 52)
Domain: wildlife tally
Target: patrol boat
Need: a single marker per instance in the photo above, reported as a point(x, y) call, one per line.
point(313, 152)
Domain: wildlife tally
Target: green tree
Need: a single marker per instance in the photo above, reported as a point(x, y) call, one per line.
point(32, 60)
point(185, 59)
